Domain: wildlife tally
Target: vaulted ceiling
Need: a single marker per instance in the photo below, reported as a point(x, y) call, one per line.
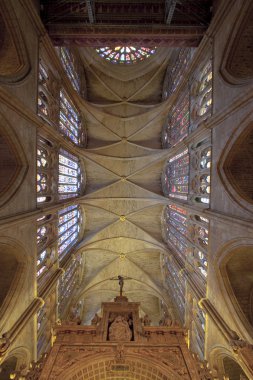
point(123, 202)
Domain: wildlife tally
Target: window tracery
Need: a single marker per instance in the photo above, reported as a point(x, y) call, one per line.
point(176, 127)
point(201, 96)
point(45, 158)
point(70, 121)
point(200, 171)
point(46, 318)
point(67, 284)
point(69, 180)
point(174, 222)
point(176, 176)
point(177, 285)
point(48, 94)
point(71, 66)
point(46, 253)
point(125, 54)
point(175, 74)
point(198, 234)
point(188, 234)
point(69, 220)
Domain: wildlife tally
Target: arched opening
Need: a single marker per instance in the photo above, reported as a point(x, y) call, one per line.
point(12, 272)
point(13, 164)
point(232, 370)
point(8, 270)
point(14, 62)
point(238, 166)
point(130, 368)
point(8, 366)
point(236, 66)
point(237, 272)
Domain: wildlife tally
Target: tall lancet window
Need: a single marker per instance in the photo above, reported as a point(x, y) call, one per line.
point(69, 220)
point(45, 158)
point(71, 124)
point(48, 95)
point(175, 228)
point(200, 172)
point(176, 283)
point(67, 284)
point(175, 74)
point(175, 176)
point(71, 66)
point(46, 252)
point(177, 123)
point(201, 95)
point(198, 234)
point(70, 179)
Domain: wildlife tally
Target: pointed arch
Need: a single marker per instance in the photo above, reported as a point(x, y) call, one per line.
point(236, 67)
point(14, 164)
point(13, 54)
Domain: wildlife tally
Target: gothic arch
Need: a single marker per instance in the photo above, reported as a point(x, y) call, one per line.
point(13, 55)
point(234, 264)
point(16, 359)
point(236, 67)
point(13, 162)
point(222, 361)
point(138, 364)
point(13, 271)
point(235, 166)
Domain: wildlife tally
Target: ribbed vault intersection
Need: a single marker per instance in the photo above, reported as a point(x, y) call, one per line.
point(123, 202)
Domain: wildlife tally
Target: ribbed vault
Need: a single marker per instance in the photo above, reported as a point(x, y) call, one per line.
point(123, 202)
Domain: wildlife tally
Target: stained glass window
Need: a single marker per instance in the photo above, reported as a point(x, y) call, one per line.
point(70, 121)
point(70, 64)
point(67, 284)
point(198, 329)
point(176, 176)
point(177, 285)
point(48, 95)
point(177, 123)
point(200, 167)
point(205, 89)
point(41, 324)
point(69, 220)
point(198, 233)
point(44, 150)
point(175, 74)
point(174, 223)
point(201, 96)
point(45, 249)
point(125, 54)
point(69, 181)
point(43, 106)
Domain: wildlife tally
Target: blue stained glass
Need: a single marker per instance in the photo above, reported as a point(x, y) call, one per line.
point(70, 123)
point(69, 175)
point(70, 66)
point(68, 228)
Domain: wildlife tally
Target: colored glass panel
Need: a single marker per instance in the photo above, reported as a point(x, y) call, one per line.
point(68, 229)
point(70, 64)
point(125, 54)
point(177, 124)
point(70, 124)
point(69, 180)
point(176, 176)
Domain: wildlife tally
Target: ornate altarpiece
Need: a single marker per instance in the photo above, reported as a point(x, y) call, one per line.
point(120, 347)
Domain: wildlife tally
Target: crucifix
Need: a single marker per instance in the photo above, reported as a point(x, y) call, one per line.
point(121, 282)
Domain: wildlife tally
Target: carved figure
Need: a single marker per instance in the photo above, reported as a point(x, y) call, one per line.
point(119, 330)
point(121, 282)
point(146, 321)
point(95, 320)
